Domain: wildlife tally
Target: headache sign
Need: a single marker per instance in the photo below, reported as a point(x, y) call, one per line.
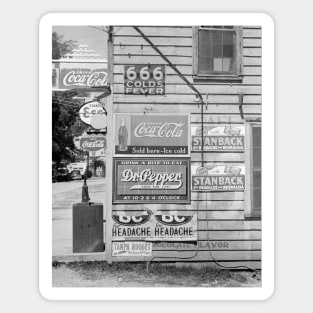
point(217, 177)
point(144, 79)
point(150, 180)
point(154, 227)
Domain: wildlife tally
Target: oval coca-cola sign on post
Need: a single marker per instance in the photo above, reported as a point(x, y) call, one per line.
point(94, 114)
point(93, 143)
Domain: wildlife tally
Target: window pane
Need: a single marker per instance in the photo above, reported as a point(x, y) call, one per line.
point(228, 51)
point(218, 65)
point(256, 136)
point(217, 42)
point(203, 36)
point(205, 65)
point(228, 65)
point(257, 200)
point(256, 153)
point(257, 179)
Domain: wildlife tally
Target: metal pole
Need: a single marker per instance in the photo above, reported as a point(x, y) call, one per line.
point(85, 194)
point(109, 160)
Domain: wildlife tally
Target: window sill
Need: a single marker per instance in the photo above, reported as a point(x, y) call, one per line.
point(217, 78)
point(254, 217)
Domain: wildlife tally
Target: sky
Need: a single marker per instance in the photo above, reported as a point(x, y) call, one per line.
point(94, 38)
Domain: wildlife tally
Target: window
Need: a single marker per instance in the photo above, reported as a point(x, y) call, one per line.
point(217, 52)
point(253, 196)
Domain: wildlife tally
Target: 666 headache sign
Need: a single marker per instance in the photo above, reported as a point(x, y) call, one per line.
point(144, 79)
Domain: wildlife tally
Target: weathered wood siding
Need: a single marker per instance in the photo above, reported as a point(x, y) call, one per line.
point(223, 232)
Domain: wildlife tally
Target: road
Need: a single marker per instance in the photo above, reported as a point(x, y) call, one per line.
point(64, 195)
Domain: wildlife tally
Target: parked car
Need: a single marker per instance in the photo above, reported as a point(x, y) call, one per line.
point(63, 174)
point(75, 174)
point(54, 175)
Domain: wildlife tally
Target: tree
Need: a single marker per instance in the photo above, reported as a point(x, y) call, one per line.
point(64, 110)
point(60, 47)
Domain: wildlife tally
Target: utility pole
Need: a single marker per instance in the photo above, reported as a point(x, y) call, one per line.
point(109, 150)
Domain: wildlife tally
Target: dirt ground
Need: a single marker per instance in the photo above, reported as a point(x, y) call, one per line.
point(100, 274)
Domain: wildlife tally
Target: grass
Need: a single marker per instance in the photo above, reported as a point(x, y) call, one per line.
point(159, 275)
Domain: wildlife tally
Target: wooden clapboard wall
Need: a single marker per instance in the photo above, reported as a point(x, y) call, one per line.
point(222, 229)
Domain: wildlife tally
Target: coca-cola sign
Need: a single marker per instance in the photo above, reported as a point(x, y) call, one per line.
point(82, 77)
point(151, 134)
point(150, 180)
point(93, 143)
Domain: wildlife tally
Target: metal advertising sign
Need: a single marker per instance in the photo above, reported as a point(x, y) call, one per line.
point(144, 79)
point(218, 138)
point(150, 180)
point(93, 143)
point(82, 77)
point(155, 227)
point(151, 134)
point(214, 177)
point(94, 114)
point(132, 248)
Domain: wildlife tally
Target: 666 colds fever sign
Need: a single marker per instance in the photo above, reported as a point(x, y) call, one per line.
point(144, 79)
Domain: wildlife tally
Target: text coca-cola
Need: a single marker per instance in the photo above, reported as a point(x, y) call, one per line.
point(88, 79)
point(160, 130)
point(93, 144)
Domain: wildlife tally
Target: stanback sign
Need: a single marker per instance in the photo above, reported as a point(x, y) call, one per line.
point(151, 134)
point(150, 180)
point(82, 77)
point(217, 177)
point(218, 138)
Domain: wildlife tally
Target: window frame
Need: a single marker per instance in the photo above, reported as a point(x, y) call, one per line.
point(237, 76)
point(249, 210)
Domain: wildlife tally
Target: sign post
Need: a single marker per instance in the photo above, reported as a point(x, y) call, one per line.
point(109, 160)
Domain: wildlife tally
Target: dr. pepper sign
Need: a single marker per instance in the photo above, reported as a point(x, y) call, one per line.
point(151, 134)
point(151, 180)
point(144, 79)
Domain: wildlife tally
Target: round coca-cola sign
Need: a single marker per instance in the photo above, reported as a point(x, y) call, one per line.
point(94, 114)
point(93, 143)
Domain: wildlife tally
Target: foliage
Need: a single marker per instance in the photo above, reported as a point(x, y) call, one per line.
point(60, 47)
point(64, 111)
point(64, 117)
